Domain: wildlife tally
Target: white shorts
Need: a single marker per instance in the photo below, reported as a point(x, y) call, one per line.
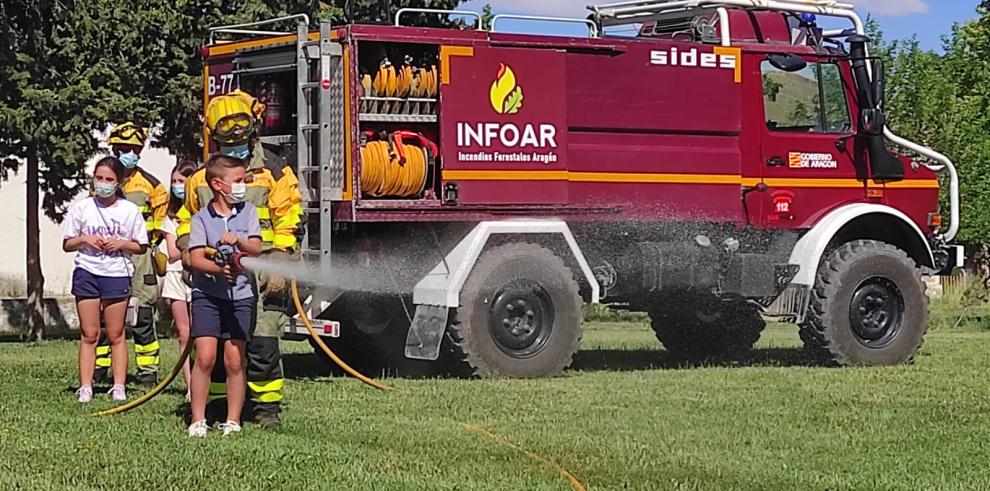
point(173, 288)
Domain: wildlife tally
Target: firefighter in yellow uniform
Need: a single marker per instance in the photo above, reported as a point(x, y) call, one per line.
point(232, 122)
point(144, 190)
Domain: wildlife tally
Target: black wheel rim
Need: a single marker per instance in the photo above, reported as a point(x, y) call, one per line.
point(876, 312)
point(521, 318)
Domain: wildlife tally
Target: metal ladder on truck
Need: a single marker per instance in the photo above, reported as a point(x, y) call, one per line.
point(319, 157)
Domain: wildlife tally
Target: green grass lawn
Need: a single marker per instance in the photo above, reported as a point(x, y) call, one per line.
point(625, 417)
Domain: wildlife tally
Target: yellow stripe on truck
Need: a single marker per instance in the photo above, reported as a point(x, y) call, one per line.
point(657, 178)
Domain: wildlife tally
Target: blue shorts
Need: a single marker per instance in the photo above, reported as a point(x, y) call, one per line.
point(220, 318)
point(88, 285)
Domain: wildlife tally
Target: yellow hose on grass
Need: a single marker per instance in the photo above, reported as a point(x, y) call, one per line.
point(155, 390)
point(571, 478)
point(574, 482)
point(326, 350)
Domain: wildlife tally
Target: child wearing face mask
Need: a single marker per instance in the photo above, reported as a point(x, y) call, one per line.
point(174, 288)
point(151, 197)
point(223, 298)
point(104, 231)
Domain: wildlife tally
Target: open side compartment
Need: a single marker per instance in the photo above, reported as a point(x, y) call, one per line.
point(398, 105)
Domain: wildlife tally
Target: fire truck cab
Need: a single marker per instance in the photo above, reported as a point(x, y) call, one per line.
point(468, 190)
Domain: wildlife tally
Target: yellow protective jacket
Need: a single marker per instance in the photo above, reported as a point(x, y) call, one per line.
point(150, 196)
point(272, 187)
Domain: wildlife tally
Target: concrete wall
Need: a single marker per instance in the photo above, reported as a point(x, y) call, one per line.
point(60, 315)
point(56, 264)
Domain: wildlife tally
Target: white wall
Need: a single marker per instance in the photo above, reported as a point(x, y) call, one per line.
point(56, 264)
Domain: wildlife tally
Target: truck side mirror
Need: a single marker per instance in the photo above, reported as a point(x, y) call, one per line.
point(787, 62)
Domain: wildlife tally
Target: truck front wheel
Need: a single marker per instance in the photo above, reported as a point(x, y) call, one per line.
point(868, 306)
point(520, 314)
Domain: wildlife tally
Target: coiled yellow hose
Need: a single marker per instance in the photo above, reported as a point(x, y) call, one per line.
point(383, 174)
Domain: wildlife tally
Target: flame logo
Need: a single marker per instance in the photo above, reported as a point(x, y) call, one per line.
point(506, 95)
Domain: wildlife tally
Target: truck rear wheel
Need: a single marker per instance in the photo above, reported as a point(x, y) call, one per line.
point(520, 314)
point(868, 306)
point(709, 329)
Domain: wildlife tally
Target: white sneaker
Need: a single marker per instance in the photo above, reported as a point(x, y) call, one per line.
point(118, 393)
point(198, 429)
point(230, 427)
point(85, 394)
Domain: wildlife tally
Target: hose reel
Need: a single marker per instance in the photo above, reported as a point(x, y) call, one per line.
point(391, 168)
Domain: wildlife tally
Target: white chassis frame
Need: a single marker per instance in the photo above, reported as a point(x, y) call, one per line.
point(442, 286)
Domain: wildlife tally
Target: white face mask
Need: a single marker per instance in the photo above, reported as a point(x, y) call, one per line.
point(238, 191)
point(104, 189)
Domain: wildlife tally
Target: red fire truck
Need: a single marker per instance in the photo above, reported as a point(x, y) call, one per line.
point(469, 190)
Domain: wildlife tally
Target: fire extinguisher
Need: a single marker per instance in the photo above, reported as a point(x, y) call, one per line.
point(274, 99)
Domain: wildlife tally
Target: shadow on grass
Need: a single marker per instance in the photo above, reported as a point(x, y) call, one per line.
point(311, 366)
point(618, 360)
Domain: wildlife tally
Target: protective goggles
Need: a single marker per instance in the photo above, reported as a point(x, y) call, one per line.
point(127, 132)
point(234, 128)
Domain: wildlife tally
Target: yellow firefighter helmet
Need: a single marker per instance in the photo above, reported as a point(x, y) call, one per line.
point(128, 134)
point(234, 117)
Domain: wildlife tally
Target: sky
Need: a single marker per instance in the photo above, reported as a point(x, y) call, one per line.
point(929, 20)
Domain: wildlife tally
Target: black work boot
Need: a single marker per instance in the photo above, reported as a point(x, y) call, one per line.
point(266, 415)
point(101, 376)
point(147, 380)
point(216, 412)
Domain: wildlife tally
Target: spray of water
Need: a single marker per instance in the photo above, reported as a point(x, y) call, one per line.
point(297, 271)
point(344, 275)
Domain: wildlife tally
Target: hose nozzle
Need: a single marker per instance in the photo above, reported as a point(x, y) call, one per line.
point(226, 255)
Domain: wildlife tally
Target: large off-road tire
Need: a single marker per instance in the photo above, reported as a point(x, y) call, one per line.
point(520, 314)
point(868, 306)
point(703, 328)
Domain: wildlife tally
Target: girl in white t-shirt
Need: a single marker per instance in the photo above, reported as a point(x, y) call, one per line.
point(103, 231)
point(174, 288)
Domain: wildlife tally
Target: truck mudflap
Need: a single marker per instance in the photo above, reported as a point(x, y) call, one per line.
point(426, 332)
point(791, 305)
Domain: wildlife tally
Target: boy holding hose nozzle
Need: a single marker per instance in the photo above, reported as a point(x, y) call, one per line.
point(232, 122)
point(223, 299)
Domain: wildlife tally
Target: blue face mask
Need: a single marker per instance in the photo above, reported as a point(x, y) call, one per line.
point(179, 191)
point(129, 160)
point(104, 189)
point(241, 151)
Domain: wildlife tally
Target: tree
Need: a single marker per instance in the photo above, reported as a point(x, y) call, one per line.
point(487, 14)
point(58, 84)
point(943, 101)
point(69, 68)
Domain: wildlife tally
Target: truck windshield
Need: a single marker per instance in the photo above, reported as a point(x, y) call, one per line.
point(809, 100)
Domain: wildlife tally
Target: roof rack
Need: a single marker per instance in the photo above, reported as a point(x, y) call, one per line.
point(591, 25)
point(240, 28)
point(593, 30)
point(467, 13)
point(636, 11)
